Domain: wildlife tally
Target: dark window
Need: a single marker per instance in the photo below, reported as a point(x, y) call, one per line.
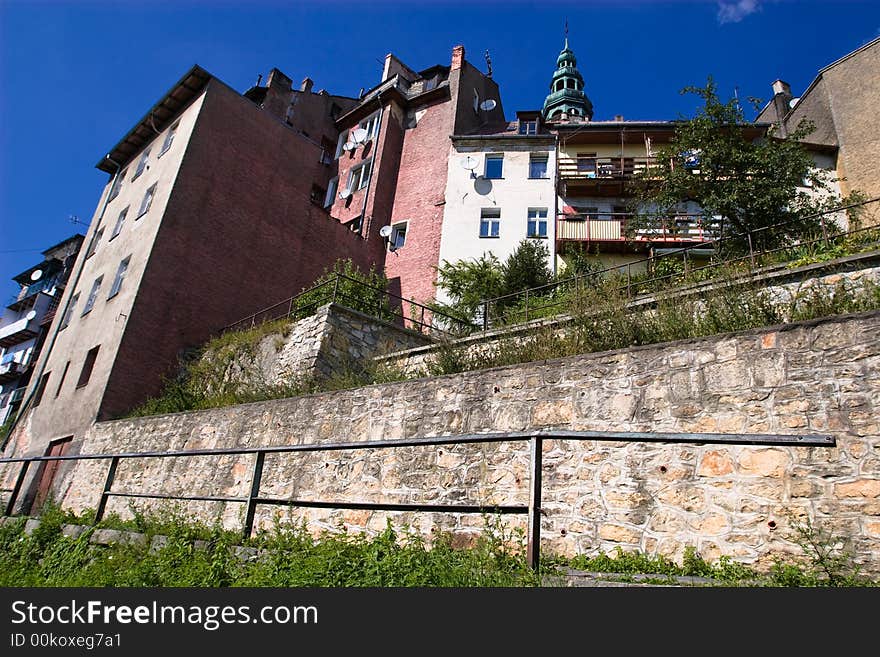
point(538, 166)
point(93, 245)
point(119, 221)
point(169, 138)
point(494, 166)
point(88, 366)
point(61, 381)
point(490, 222)
point(537, 222)
point(120, 275)
point(69, 313)
point(528, 127)
point(318, 194)
point(117, 185)
point(146, 202)
point(142, 164)
point(90, 302)
point(398, 237)
point(41, 388)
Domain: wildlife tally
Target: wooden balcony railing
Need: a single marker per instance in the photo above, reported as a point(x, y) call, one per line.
point(586, 169)
point(612, 227)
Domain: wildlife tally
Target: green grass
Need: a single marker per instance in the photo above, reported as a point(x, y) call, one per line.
point(288, 556)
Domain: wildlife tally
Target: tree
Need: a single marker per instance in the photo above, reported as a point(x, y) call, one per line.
point(471, 282)
point(526, 267)
point(752, 184)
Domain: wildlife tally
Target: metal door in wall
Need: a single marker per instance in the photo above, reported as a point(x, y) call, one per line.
point(47, 471)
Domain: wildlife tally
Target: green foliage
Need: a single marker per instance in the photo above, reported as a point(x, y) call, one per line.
point(284, 556)
point(751, 184)
point(526, 267)
point(351, 287)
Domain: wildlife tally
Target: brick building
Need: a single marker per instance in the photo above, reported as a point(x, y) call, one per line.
point(842, 104)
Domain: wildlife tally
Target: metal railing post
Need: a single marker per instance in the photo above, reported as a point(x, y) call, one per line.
point(628, 281)
point(256, 477)
point(533, 554)
point(824, 229)
point(108, 484)
point(335, 288)
point(19, 482)
point(527, 304)
point(751, 250)
point(485, 315)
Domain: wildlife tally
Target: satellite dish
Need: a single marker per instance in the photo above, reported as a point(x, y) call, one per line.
point(359, 135)
point(488, 105)
point(470, 163)
point(31, 315)
point(482, 186)
point(385, 231)
point(349, 146)
point(35, 274)
point(793, 102)
point(345, 193)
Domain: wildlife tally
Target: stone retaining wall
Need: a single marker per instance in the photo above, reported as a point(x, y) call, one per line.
point(811, 377)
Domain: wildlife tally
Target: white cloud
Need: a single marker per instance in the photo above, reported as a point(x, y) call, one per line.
point(733, 11)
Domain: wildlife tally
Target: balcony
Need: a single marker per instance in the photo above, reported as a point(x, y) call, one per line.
point(612, 227)
point(11, 371)
point(25, 297)
point(18, 331)
point(587, 174)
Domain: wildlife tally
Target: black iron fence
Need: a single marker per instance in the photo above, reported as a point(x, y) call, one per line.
point(535, 440)
point(357, 295)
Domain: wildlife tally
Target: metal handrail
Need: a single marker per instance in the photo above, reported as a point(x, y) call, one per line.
point(384, 309)
point(535, 439)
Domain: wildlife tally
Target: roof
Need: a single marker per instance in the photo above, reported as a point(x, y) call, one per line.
point(162, 113)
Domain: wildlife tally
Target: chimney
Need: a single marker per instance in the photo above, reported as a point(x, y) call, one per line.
point(782, 98)
point(277, 80)
point(618, 118)
point(306, 85)
point(457, 57)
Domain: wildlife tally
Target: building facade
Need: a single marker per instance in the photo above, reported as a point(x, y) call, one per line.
point(26, 320)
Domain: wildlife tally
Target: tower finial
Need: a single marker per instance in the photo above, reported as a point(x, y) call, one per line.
point(566, 31)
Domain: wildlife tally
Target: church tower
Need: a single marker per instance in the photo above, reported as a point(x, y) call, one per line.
point(567, 89)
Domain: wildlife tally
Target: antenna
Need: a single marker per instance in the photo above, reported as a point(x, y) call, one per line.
point(488, 65)
point(470, 163)
point(488, 105)
point(385, 231)
point(359, 135)
point(75, 220)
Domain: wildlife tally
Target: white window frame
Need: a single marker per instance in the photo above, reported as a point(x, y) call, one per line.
point(398, 232)
point(491, 218)
point(93, 245)
point(117, 185)
point(539, 157)
point(528, 127)
point(169, 139)
point(343, 137)
point(147, 201)
point(142, 164)
point(68, 315)
point(93, 295)
point(538, 217)
point(493, 157)
point(120, 276)
point(371, 125)
point(356, 177)
point(332, 188)
point(120, 220)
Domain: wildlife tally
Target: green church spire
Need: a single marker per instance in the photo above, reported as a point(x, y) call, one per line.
point(567, 88)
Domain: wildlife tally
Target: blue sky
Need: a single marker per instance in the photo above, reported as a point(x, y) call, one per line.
point(76, 76)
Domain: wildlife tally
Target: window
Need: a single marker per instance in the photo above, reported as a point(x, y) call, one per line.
point(147, 202)
point(69, 313)
point(359, 176)
point(538, 166)
point(537, 223)
point(120, 275)
point(429, 84)
point(332, 186)
point(490, 222)
point(371, 125)
point(398, 236)
point(317, 195)
point(88, 365)
point(586, 164)
point(61, 382)
point(119, 221)
point(90, 302)
point(528, 127)
point(93, 245)
point(343, 137)
point(41, 388)
point(142, 164)
point(117, 185)
point(494, 166)
point(169, 138)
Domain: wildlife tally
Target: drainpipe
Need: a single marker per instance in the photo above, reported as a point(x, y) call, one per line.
point(69, 287)
point(372, 169)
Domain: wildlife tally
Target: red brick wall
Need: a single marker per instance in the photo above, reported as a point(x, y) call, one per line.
point(239, 234)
